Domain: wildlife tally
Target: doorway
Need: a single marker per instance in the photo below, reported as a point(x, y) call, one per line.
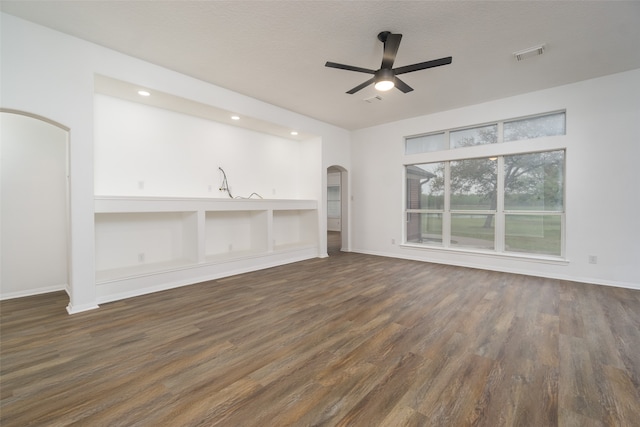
point(34, 246)
point(337, 210)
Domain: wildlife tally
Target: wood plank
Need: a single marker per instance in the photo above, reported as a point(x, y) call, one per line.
point(352, 339)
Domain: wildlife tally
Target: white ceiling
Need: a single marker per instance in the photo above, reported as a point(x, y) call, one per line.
point(275, 50)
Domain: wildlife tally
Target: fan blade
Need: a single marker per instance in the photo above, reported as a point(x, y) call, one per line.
point(349, 67)
point(391, 45)
point(422, 65)
point(361, 86)
point(402, 86)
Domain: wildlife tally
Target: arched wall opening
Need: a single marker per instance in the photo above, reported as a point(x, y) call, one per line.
point(34, 204)
point(337, 209)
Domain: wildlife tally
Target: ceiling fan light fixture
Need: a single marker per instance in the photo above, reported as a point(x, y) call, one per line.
point(384, 85)
point(384, 79)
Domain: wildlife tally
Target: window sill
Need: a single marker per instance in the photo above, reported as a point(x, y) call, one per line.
point(514, 256)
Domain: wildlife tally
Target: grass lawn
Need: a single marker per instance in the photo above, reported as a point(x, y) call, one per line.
point(539, 234)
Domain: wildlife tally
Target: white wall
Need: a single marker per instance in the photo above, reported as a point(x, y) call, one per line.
point(602, 201)
point(147, 151)
point(51, 74)
point(33, 227)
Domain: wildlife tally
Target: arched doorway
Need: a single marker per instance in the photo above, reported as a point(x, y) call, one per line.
point(34, 249)
point(337, 209)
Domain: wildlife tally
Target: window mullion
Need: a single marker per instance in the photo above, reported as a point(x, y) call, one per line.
point(446, 215)
point(500, 220)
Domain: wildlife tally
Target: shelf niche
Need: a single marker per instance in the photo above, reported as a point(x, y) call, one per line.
point(294, 229)
point(230, 234)
point(130, 243)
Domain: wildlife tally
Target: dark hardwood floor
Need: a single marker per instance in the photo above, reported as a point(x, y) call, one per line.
point(334, 242)
point(349, 340)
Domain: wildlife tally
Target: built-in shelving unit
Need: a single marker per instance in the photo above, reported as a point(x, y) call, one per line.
point(146, 244)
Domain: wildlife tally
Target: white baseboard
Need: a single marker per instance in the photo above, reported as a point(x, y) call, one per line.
point(31, 292)
point(580, 279)
point(115, 290)
point(74, 309)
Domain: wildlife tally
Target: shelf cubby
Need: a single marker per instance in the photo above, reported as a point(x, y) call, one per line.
point(136, 243)
point(231, 234)
point(293, 228)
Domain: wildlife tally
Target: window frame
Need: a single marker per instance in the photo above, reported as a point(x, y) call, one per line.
point(500, 137)
point(501, 149)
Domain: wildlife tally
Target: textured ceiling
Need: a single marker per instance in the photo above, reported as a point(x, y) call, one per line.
point(275, 50)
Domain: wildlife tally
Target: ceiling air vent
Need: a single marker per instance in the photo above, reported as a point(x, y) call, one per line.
point(521, 55)
point(373, 99)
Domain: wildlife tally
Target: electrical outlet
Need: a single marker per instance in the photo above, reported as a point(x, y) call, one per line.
point(210, 187)
point(593, 259)
point(140, 185)
point(141, 257)
point(393, 241)
point(230, 247)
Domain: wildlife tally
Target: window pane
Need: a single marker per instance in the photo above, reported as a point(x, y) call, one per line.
point(424, 228)
point(534, 181)
point(474, 184)
point(535, 127)
point(425, 143)
point(472, 231)
point(333, 192)
point(474, 136)
point(333, 208)
point(333, 201)
point(537, 234)
point(425, 186)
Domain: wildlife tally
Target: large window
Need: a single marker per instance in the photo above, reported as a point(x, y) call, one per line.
point(512, 203)
point(425, 202)
point(473, 184)
point(534, 202)
point(550, 124)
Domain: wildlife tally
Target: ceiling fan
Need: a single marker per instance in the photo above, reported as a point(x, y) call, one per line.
point(385, 77)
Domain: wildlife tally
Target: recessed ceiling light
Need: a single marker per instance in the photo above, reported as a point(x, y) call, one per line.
point(235, 117)
point(143, 93)
point(294, 133)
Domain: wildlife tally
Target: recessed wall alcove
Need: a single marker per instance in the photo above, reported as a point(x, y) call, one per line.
point(35, 225)
point(184, 193)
